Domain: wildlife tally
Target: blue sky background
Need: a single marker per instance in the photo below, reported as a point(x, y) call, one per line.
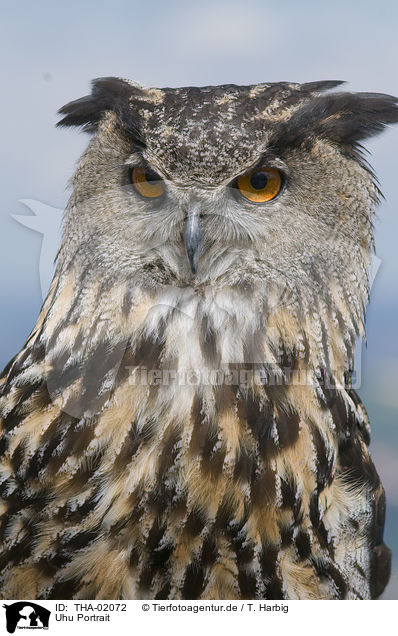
point(49, 52)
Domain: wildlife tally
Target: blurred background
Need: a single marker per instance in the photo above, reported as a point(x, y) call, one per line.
point(49, 53)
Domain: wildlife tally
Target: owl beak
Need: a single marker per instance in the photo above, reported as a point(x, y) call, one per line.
point(193, 236)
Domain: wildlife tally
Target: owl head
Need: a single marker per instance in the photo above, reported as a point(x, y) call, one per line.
point(260, 189)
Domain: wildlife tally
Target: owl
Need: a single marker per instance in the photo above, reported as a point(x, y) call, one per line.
point(181, 423)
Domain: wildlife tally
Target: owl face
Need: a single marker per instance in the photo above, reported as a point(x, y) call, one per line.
point(258, 186)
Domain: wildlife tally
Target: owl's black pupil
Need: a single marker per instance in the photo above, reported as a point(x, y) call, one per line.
point(150, 175)
point(258, 180)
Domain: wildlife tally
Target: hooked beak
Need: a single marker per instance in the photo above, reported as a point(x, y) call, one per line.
point(193, 236)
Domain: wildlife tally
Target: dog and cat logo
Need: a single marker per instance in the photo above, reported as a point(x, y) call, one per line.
point(26, 615)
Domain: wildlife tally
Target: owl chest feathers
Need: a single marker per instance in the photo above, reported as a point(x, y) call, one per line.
point(172, 439)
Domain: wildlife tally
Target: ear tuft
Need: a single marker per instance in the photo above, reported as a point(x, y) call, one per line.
point(108, 94)
point(349, 118)
point(344, 118)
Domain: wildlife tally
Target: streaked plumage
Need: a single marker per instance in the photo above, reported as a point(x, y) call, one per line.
point(171, 434)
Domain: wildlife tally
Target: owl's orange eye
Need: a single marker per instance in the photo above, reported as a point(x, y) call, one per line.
point(260, 185)
point(147, 183)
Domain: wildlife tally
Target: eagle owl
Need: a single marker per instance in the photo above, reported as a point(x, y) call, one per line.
point(181, 421)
